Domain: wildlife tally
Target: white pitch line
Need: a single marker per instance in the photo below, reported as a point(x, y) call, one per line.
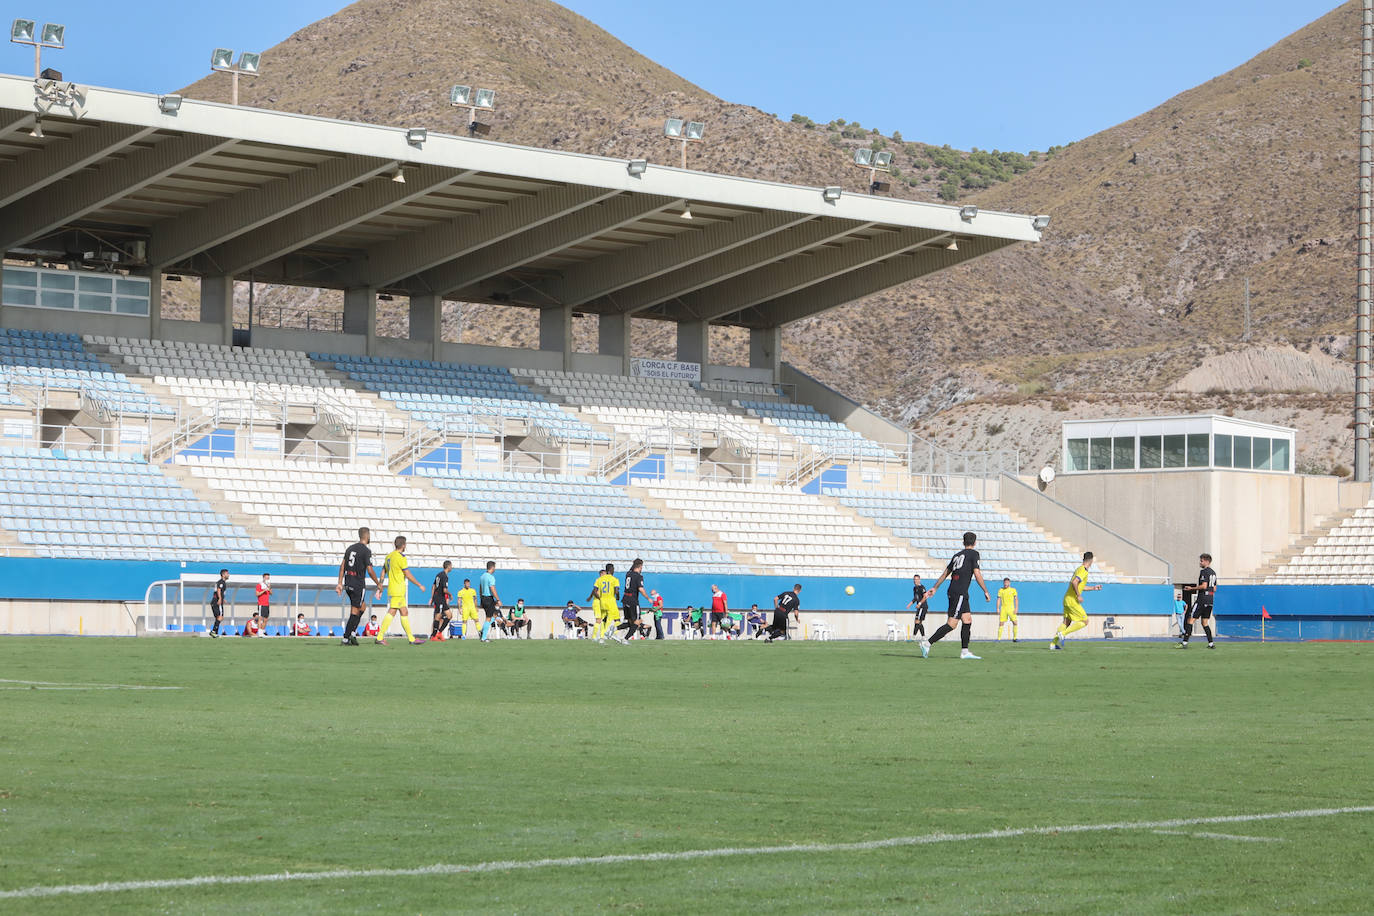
point(681, 856)
point(1220, 836)
point(61, 685)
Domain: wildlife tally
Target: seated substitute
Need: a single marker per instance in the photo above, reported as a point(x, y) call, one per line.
point(371, 629)
point(693, 623)
point(517, 620)
point(757, 621)
point(300, 627)
point(254, 625)
point(572, 619)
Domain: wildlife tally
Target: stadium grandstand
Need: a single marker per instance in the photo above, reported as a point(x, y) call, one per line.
point(130, 436)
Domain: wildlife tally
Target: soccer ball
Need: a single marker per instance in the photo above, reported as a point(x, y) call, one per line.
point(849, 589)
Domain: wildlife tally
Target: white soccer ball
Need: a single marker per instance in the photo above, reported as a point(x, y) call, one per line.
point(849, 589)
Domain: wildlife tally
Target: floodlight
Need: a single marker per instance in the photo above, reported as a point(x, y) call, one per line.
point(687, 210)
point(1039, 223)
point(863, 157)
point(416, 135)
point(248, 63)
point(52, 34)
point(882, 160)
point(169, 104)
point(22, 30)
point(830, 195)
point(695, 130)
point(222, 59)
point(459, 95)
point(637, 167)
point(486, 98)
point(953, 245)
point(37, 130)
point(399, 176)
point(880, 187)
point(672, 128)
point(967, 213)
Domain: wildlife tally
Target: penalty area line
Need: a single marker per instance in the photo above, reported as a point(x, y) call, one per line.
point(27, 893)
point(62, 685)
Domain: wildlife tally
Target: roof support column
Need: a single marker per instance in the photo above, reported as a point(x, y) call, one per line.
point(694, 343)
point(217, 305)
point(765, 350)
point(155, 304)
point(555, 332)
point(613, 338)
point(427, 321)
point(360, 316)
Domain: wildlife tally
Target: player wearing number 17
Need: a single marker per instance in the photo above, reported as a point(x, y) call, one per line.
point(1075, 617)
point(961, 571)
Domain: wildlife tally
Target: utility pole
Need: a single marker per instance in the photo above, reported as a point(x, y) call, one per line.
point(1362, 299)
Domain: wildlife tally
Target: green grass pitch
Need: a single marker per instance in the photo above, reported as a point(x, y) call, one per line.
point(278, 755)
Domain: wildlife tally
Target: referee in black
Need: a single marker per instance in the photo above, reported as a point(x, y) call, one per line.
point(786, 603)
point(353, 572)
point(629, 600)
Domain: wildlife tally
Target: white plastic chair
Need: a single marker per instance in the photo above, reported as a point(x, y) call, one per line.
point(820, 629)
point(894, 631)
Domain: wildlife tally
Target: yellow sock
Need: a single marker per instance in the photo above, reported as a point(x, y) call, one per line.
point(999, 632)
point(405, 625)
point(386, 625)
point(1013, 631)
point(1076, 625)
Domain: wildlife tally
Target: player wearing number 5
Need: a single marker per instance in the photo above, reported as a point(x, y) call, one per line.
point(1075, 618)
point(961, 571)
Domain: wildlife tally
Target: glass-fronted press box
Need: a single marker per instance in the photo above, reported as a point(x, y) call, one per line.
point(1202, 442)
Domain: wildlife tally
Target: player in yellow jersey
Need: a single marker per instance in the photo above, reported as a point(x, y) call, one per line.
point(467, 608)
point(605, 598)
point(1075, 618)
point(397, 576)
point(1008, 605)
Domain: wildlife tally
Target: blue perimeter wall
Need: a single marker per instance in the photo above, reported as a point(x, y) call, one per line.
point(114, 580)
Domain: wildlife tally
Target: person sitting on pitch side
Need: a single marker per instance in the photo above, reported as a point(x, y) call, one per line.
point(961, 570)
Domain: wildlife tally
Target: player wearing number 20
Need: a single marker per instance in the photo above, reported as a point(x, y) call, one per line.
point(961, 571)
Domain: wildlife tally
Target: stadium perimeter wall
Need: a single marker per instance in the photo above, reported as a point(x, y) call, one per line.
point(105, 597)
point(1243, 519)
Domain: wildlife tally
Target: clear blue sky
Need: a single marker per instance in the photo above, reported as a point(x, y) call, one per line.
point(995, 74)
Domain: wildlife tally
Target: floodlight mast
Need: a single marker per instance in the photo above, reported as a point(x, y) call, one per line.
point(25, 32)
point(684, 132)
point(221, 60)
point(875, 162)
point(473, 100)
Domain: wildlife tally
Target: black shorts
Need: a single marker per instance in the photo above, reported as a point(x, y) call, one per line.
point(630, 612)
point(489, 605)
point(441, 608)
point(717, 617)
point(958, 604)
point(1202, 612)
point(921, 612)
point(265, 610)
point(216, 611)
point(354, 593)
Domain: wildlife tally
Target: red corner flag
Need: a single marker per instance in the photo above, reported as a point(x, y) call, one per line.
point(1264, 613)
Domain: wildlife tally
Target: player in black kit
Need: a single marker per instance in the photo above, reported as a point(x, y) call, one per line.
point(786, 603)
point(918, 601)
point(1203, 593)
point(961, 570)
point(217, 601)
point(629, 600)
point(353, 572)
point(439, 599)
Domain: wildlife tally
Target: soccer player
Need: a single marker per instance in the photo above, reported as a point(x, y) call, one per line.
point(785, 603)
point(217, 602)
point(397, 569)
point(1008, 605)
point(1075, 618)
point(961, 570)
point(1204, 591)
point(353, 573)
point(605, 594)
point(634, 590)
point(439, 597)
point(918, 601)
point(467, 609)
point(490, 598)
point(264, 589)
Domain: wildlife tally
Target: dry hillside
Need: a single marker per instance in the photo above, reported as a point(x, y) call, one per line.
point(1156, 221)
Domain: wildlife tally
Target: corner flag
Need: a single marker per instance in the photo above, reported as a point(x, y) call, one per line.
point(1264, 613)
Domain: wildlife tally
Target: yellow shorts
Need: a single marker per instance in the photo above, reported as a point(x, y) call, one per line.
point(1074, 610)
point(1004, 616)
point(612, 614)
point(470, 614)
point(397, 602)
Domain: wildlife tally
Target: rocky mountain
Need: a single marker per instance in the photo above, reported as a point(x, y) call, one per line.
point(1139, 282)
